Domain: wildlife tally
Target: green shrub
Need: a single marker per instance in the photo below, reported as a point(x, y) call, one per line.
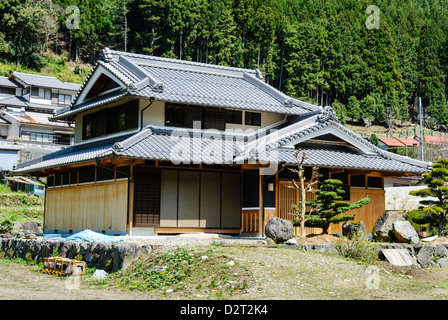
point(6, 225)
point(359, 248)
point(422, 220)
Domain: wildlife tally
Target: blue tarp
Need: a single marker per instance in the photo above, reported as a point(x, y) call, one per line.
point(89, 235)
point(52, 236)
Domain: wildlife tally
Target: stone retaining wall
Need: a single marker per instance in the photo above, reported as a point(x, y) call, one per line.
point(425, 255)
point(101, 255)
point(115, 256)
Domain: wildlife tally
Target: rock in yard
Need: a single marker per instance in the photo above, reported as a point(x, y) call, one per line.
point(291, 241)
point(398, 257)
point(349, 228)
point(425, 256)
point(31, 227)
point(382, 230)
point(279, 230)
point(440, 251)
point(443, 263)
point(404, 232)
point(99, 275)
point(16, 227)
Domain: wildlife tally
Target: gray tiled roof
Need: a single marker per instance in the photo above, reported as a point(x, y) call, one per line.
point(45, 81)
point(92, 103)
point(6, 82)
point(323, 155)
point(186, 146)
point(20, 102)
point(194, 83)
point(13, 101)
point(79, 153)
point(194, 147)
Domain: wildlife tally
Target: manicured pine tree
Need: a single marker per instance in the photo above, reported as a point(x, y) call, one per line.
point(437, 207)
point(330, 207)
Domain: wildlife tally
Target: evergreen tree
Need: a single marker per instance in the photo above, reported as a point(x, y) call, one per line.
point(436, 180)
point(431, 79)
point(319, 51)
point(353, 108)
point(367, 106)
point(340, 110)
point(374, 140)
point(330, 207)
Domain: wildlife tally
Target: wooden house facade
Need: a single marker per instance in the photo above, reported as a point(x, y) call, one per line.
point(165, 146)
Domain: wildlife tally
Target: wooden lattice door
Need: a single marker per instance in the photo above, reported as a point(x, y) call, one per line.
point(146, 197)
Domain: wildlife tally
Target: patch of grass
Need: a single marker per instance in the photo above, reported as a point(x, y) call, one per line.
point(22, 214)
point(53, 65)
point(203, 271)
point(359, 248)
point(4, 189)
point(18, 207)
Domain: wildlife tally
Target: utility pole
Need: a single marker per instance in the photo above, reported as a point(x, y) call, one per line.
point(421, 127)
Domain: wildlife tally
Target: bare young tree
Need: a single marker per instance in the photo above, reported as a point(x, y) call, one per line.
point(304, 187)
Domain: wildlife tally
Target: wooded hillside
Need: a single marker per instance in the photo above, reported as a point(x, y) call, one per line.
point(321, 51)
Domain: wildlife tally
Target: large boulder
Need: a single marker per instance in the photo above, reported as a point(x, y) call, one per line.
point(32, 227)
point(404, 232)
point(383, 228)
point(425, 256)
point(349, 228)
point(279, 230)
point(440, 251)
point(443, 263)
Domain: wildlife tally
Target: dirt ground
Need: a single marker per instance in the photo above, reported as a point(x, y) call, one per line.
point(276, 274)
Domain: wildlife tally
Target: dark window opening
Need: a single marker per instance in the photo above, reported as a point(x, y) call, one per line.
point(214, 118)
point(57, 180)
point(9, 90)
point(112, 120)
point(375, 182)
point(183, 116)
point(123, 172)
point(50, 181)
point(234, 116)
point(86, 174)
point(358, 180)
point(65, 178)
point(62, 139)
point(342, 176)
point(74, 178)
point(252, 119)
point(103, 174)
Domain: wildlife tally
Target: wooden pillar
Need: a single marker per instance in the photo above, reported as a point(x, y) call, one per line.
point(261, 207)
point(131, 205)
point(131, 199)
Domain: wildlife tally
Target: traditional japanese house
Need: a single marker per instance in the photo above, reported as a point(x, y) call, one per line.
point(166, 146)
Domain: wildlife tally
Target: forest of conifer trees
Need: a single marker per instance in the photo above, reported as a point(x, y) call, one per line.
point(321, 51)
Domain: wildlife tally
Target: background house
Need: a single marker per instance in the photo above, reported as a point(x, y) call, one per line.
point(387, 143)
point(26, 103)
